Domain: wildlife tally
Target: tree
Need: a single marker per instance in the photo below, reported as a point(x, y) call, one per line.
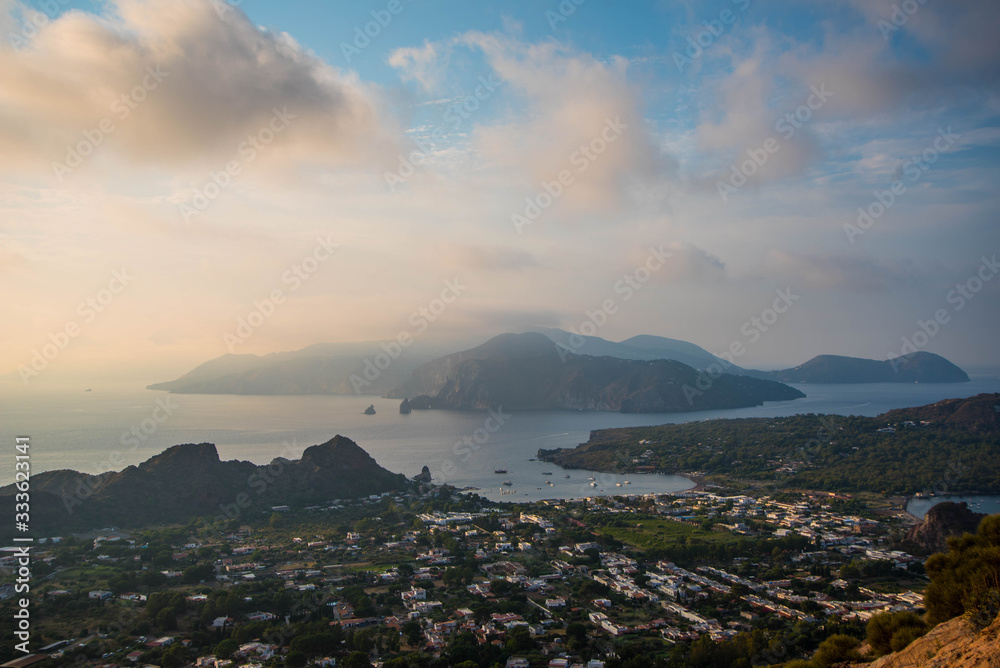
point(836, 649)
point(226, 649)
point(356, 660)
point(295, 658)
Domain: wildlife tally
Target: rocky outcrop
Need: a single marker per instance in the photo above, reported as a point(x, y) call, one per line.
point(191, 480)
point(953, 644)
point(941, 521)
point(424, 475)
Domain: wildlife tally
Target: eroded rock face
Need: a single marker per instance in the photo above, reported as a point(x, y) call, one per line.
point(424, 475)
point(943, 520)
point(953, 644)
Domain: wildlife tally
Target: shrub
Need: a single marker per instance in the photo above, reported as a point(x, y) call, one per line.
point(892, 631)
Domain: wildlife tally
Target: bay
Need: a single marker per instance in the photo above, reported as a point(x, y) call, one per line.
point(918, 507)
point(111, 428)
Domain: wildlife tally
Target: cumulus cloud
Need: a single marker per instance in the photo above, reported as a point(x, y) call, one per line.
point(570, 101)
point(207, 80)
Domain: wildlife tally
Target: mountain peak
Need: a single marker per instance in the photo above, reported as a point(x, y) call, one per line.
point(186, 457)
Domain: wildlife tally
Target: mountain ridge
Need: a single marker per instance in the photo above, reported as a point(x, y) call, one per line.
point(527, 372)
point(191, 480)
point(393, 371)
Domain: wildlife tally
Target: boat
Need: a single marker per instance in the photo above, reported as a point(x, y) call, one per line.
point(593, 484)
point(370, 410)
point(500, 471)
point(507, 483)
point(546, 472)
point(566, 476)
point(627, 482)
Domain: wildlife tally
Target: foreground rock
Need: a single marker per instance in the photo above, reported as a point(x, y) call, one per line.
point(953, 644)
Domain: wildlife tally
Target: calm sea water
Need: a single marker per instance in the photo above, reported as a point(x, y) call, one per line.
point(92, 431)
point(978, 504)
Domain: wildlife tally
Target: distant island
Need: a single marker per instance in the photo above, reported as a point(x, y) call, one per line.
point(187, 481)
point(391, 370)
point(919, 367)
point(950, 446)
point(527, 372)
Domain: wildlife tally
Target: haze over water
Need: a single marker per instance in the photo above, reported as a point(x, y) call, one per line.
point(91, 431)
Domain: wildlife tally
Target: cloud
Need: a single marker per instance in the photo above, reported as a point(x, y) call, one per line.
point(561, 102)
point(197, 83)
point(687, 263)
point(959, 35)
point(489, 258)
point(840, 272)
point(425, 64)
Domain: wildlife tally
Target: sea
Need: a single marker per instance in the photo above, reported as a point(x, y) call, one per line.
point(990, 505)
point(111, 428)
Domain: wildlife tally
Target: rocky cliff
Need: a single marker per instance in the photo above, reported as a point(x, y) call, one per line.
point(941, 521)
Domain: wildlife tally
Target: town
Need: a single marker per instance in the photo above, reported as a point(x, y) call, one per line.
point(406, 578)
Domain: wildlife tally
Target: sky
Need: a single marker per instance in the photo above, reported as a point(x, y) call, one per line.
point(186, 178)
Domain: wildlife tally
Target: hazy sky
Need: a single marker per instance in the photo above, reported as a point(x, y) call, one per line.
point(168, 165)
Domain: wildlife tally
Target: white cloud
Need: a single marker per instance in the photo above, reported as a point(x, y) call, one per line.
point(219, 79)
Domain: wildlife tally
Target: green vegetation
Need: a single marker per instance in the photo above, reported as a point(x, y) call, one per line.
point(966, 579)
point(893, 631)
point(833, 453)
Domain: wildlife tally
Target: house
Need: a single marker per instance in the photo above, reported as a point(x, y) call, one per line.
point(100, 595)
point(165, 641)
point(261, 616)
